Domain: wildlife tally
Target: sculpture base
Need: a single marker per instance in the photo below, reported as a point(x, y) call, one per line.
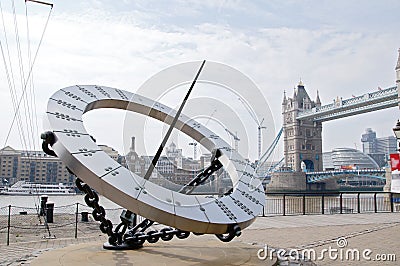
point(123, 246)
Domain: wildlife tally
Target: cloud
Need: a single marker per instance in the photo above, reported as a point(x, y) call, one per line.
point(124, 47)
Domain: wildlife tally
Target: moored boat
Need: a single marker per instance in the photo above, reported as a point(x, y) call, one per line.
point(28, 188)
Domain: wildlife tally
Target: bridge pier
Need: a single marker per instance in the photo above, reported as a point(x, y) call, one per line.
point(287, 182)
point(326, 185)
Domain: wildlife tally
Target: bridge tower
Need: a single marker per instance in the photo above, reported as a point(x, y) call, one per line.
point(302, 138)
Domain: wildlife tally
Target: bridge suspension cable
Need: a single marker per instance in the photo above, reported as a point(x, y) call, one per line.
point(272, 167)
point(270, 150)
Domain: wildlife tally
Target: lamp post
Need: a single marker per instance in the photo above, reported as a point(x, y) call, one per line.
point(394, 186)
point(396, 130)
point(194, 149)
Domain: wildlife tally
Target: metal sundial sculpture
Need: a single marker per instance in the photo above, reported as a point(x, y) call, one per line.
point(225, 216)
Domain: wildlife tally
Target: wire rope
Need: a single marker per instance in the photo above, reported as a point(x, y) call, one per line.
point(29, 74)
point(26, 101)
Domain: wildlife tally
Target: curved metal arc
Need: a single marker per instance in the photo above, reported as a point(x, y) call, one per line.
point(189, 213)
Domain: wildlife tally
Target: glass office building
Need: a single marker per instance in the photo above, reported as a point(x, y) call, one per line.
point(347, 158)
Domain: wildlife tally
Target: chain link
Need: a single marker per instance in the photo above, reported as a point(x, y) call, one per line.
point(99, 213)
point(135, 236)
point(165, 234)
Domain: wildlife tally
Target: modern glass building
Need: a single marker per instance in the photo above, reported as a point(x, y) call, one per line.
point(378, 148)
point(369, 141)
point(347, 158)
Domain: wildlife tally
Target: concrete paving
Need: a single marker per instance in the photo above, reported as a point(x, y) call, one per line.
point(22, 253)
point(378, 233)
point(194, 251)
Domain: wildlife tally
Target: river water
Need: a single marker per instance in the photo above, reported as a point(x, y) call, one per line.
point(32, 201)
point(30, 204)
point(273, 204)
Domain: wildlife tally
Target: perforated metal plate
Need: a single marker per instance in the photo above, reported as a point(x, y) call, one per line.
point(200, 214)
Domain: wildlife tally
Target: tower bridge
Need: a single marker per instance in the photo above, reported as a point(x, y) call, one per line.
point(316, 177)
point(340, 108)
point(302, 130)
point(303, 117)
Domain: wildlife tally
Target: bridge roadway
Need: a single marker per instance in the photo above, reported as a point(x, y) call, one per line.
point(368, 102)
point(314, 177)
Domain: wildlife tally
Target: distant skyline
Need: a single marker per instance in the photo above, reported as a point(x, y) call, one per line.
point(340, 48)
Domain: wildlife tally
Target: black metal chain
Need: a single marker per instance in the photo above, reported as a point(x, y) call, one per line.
point(203, 175)
point(48, 140)
point(137, 235)
point(166, 234)
point(99, 214)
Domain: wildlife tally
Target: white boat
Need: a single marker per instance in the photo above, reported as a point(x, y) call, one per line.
point(28, 188)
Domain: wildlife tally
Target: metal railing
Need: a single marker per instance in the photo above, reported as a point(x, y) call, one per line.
point(22, 224)
point(386, 97)
point(281, 203)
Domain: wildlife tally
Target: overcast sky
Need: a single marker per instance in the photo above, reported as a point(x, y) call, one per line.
point(340, 48)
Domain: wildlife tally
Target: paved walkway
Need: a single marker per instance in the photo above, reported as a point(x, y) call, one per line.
point(379, 233)
point(22, 253)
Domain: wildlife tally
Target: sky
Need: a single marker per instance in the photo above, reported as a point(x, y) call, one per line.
point(339, 48)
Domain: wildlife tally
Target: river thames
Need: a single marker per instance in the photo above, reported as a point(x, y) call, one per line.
point(32, 201)
point(366, 202)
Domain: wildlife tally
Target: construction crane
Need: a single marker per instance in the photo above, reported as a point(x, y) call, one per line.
point(259, 124)
point(194, 143)
point(235, 138)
